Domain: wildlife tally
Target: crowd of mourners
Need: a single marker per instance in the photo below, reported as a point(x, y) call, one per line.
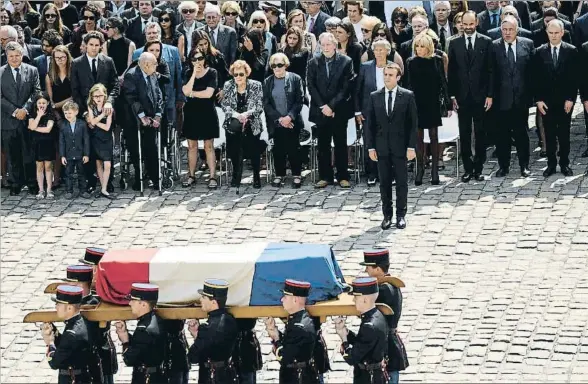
point(75, 75)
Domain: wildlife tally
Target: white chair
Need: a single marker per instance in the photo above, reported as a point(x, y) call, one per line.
point(311, 142)
point(448, 133)
point(269, 160)
point(353, 141)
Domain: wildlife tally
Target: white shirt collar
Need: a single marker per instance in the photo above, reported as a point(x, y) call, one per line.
point(14, 69)
point(473, 36)
point(514, 43)
point(90, 60)
point(555, 46)
point(393, 90)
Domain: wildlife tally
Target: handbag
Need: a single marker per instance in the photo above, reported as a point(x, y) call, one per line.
point(234, 126)
point(443, 103)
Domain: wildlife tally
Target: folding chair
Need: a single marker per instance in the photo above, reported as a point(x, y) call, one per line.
point(448, 133)
point(311, 142)
point(269, 160)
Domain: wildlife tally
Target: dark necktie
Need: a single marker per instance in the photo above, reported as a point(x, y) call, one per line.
point(494, 21)
point(442, 38)
point(554, 56)
point(390, 103)
point(151, 94)
point(311, 25)
point(469, 48)
point(18, 81)
point(511, 56)
point(212, 39)
point(94, 70)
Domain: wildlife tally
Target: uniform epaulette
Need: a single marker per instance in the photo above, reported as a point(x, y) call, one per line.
point(299, 325)
point(141, 326)
point(369, 323)
point(71, 330)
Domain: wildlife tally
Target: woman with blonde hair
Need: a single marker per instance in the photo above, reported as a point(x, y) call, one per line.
point(426, 78)
point(231, 12)
point(297, 18)
point(258, 20)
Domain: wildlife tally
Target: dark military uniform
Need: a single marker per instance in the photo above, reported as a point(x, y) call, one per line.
point(247, 353)
point(214, 345)
point(176, 359)
point(392, 296)
point(320, 354)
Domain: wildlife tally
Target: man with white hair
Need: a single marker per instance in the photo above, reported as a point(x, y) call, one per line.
point(442, 27)
point(512, 57)
point(509, 10)
point(555, 68)
point(7, 34)
point(222, 37)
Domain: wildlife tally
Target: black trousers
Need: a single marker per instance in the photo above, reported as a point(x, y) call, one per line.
point(335, 130)
point(148, 150)
point(71, 168)
point(287, 145)
point(557, 130)
point(18, 146)
point(390, 168)
point(513, 124)
point(371, 167)
point(244, 145)
point(472, 113)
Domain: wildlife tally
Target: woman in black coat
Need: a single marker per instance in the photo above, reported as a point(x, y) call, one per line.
point(348, 44)
point(426, 78)
point(254, 54)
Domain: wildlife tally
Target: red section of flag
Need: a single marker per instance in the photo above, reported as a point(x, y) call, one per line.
point(119, 269)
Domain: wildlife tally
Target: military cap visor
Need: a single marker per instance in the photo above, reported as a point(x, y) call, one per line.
point(68, 294)
point(296, 288)
point(215, 289)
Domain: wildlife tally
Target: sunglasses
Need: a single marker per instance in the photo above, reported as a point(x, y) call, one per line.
point(186, 11)
point(381, 34)
point(241, 74)
point(258, 21)
point(366, 30)
point(199, 58)
point(50, 16)
point(89, 18)
point(97, 96)
point(278, 65)
point(234, 14)
point(399, 22)
point(164, 20)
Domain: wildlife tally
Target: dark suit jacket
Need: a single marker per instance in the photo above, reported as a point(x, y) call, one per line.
point(405, 50)
point(319, 25)
point(333, 90)
point(226, 42)
point(34, 51)
point(41, 65)
point(391, 136)
point(14, 98)
point(295, 99)
point(555, 85)
point(581, 31)
point(129, 14)
point(522, 8)
point(513, 88)
point(485, 22)
point(82, 79)
point(435, 29)
point(365, 85)
point(73, 146)
point(584, 80)
point(496, 33)
point(134, 31)
point(354, 52)
point(470, 81)
point(137, 96)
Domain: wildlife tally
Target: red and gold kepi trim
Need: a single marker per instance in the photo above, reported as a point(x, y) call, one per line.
point(364, 286)
point(93, 255)
point(296, 288)
point(215, 288)
point(79, 273)
point(144, 291)
point(68, 294)
point(376, 257)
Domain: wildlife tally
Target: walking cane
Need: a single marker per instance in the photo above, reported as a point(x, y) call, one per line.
point(140, 160)
point(159, 156)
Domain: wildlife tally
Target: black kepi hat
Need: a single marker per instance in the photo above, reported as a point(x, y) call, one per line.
point(93, 255)
point(296, 288)
point(144, 291)
point(364, 286)
point(215, 289)
point(68, 294)
point(376, 257)
point(79, 273)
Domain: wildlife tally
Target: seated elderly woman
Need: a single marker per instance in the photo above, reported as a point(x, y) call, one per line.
point(283, 97)
point(243, 106)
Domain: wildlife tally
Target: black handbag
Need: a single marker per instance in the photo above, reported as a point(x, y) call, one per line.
point(234, 126)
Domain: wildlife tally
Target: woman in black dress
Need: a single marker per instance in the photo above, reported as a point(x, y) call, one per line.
point(214, 59)
point(41, 123)
point(100, 135)
point(296, 53)
point(200, 117)
point(51, 19)
point(255, 54)
point(119, 48)
point(348, 44)
point(169, 35)
point(425, 76)
point(58, 86)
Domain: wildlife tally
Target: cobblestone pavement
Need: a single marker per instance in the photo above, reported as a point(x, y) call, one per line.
point(495, 271)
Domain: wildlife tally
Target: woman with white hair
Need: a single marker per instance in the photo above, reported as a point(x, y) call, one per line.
point(258, 20)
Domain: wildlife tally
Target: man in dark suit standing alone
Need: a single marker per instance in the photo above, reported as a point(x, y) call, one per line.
point(556, 91)
point(391, 131)
point(470, 82)
point(19, 84)
point(512, 56)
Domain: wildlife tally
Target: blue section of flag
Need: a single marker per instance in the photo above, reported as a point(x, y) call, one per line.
point(305, 262)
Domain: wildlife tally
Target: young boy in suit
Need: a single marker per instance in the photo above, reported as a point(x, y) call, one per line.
point(74, 148)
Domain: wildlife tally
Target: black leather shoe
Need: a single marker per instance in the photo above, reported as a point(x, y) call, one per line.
point(91, 189)
point(542, 153)
point(435, 181)
point(479, 177)
point(466, 177)
point(549, 171)
point(525, 172)
point(136, 186)
point(386, 223)
point(371, 182)
point(14, 191)
point(400, 222)
point(257, 183)
point(502, 172)
point(585, 153)
point(109, 188)
point(567, 171)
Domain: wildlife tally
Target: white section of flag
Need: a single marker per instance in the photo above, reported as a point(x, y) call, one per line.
point(181, 271)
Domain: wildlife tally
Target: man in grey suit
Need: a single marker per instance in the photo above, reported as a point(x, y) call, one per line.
point(223, 38)
point(391, 132)
point(19, 84)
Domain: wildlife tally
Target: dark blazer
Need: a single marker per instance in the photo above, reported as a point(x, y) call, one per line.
point(365, 85)
point(354, 52)
point(41, 65)
point(333, 90)
point(319, 24)
point(484, 22)
point(226, 42)
point(73, 145)
point(294, 95)
point(581, 31)
point(435, 28)
point(82, 79)
point(556, 84)
point(391, 136)
point(14, 98)
point(129, 14)
point(34, 51)
point(470, 80)
point(524, 12)
point(584, 80)
point(513, 88)
point(134, 31)
point(137, 96)
point(405, 50)
point(496, 33)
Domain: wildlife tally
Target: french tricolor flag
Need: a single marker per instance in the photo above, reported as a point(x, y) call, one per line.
point(256, 272)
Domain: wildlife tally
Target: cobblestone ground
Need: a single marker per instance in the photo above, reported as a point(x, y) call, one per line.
point(495, 271)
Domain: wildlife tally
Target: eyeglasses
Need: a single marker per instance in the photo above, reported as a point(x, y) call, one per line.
point(90, 18)
point(198, 58)
point(278, 65)
point(164, 20)
point(258, 21)
point(60, 58)
point(186, 11)
point(399, 21)
point(50, 16)
point(366, 30)
point(240, 74)
point(234, 14)
point(97, 96)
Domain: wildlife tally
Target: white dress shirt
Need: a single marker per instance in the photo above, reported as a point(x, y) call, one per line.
point(514, 49)
point(214, 32)
point(14, 72)
point(380, 78)
point(308, 21)
point(90, 61)
point(473, 36)
point(189, 30)
point(445, 28)
point(118, 10)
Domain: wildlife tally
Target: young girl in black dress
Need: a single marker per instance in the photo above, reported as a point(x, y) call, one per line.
point(100, 135)
point(41, 123)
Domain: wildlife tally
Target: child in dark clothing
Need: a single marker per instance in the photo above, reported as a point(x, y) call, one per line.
point(74, 148)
